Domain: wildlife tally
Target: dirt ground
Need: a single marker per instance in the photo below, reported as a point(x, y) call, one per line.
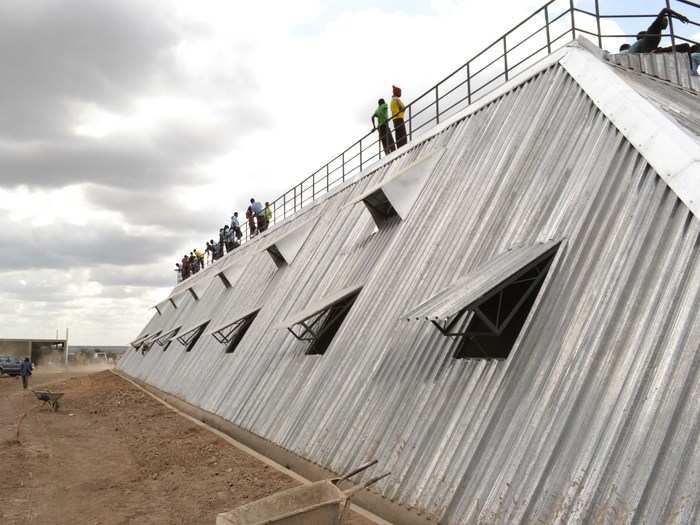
point(114, 455)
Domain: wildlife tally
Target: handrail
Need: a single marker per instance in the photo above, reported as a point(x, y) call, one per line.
point(436, 103)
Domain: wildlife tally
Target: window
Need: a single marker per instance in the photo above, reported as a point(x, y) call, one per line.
point(148, 343)
point(190, 338)
point(495, 323)
point(136, 344)
point(167, 338)
point(224, 279)
point(232, 334)
point(285, 246)
point(393, 198)
point(486, 311)
point(380, 208)
point(318, 323)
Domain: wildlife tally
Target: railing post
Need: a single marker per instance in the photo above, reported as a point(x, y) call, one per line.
point(597, 20)
point(469, 83)
point(328, 178)
point(360, 143)
point(410, 122)
point(437, 105)
point(343, 160)
point(284, 205)
point(274, 212)
point(313, 187)
point(673, 44)
point(573, 19)
point(546, 26)
point(505, 58)
point(295, 199)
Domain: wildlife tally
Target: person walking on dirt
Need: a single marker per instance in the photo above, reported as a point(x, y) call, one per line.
point(25, 370)
point(382, 116)
point(397, 113)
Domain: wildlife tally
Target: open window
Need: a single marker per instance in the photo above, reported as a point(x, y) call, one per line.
point(189, 338)
point(167, 338)
point(149, 342)
point(161, 306)
point(177, 298)
point(198, 288)
point(136, 343)
point(284, 246)
point(486, 310)
point(318, 323)
point(394, 197)
point(231, 273)
point(232, 333)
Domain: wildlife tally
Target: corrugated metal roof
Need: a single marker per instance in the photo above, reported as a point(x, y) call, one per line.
point(681, 105)
point(593, 417)
point(469, 289)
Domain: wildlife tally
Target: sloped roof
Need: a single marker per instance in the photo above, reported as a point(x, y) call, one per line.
point(579, 421)
point(681, 105)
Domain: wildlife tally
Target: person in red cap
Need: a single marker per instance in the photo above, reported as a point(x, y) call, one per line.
point(397, 112)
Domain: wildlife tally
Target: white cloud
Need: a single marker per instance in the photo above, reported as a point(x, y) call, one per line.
point(152, 121)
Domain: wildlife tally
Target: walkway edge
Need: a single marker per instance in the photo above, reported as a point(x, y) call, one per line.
point(371, 506)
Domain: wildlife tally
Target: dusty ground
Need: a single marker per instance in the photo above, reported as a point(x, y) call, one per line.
point(114, 455)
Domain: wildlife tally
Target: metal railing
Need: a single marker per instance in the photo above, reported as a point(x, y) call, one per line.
point(543, 32)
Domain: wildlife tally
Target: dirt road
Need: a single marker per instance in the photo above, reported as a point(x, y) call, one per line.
point(114, 455)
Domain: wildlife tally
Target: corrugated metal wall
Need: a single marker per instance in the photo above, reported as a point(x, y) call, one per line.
point(594, 416)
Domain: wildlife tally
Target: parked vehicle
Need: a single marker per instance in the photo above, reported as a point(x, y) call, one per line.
point(9, 365)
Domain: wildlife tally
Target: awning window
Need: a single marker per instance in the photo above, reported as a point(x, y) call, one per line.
point(230, 274)
point(161, 306)
point(167, 338)
point(137, 342)
point(284, 247)
point(319, 322)
point(232, 333)
point(395, 196)
point(148, 343)
point(487, 309)
point(189, 338)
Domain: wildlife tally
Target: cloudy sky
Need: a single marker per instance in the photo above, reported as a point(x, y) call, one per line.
point(130, 130)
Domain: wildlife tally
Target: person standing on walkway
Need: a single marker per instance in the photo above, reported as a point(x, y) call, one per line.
point(382, 116)
point(694, 56)
point(397, 113)
point(259, 212)
point(268, 214)
point(250, 217)
point(236, 226)
point(25, 370)
point(649, 40)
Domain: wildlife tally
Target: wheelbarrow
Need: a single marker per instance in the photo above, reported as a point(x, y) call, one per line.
point(49, 398)
point(319, 503)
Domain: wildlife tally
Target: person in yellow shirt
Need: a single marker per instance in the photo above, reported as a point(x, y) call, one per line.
point(397, 113)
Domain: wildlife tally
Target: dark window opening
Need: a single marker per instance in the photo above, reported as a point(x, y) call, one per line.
point(231, 335)
point(166, 339)
point(380, 208)
point(189, 339)
point(277, 256)
point(224, 280)
point(148, 343)
point(322, 327)
point(490, 327)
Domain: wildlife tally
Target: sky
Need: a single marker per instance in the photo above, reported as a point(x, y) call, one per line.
point(131, 130)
